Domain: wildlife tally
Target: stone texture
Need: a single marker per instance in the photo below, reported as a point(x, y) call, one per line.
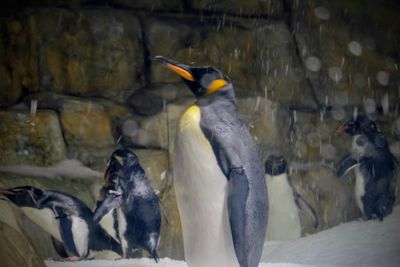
point(150, 5)
point(94, 52)
point(18, 55)
point(268, 124)
point(250, 7)
point(159, 130)
point(86, 124)
point(351, 54)
point(16, 249)
point(152, 100)
point(89, 52)
point(30, 138)
point(331, 198)
point(280, 73)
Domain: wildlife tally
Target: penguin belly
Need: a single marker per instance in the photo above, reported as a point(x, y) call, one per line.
point(201, 190)
point(122, 226)
point(80, 235)
point(359, 188)
point(283, 219)
point(46, 219)
point(108, 224)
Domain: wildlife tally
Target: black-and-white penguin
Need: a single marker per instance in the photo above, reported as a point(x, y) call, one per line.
point(283, 218)
point(136, 205)
point(218, 175)
point(374, 166)
point(67, 219)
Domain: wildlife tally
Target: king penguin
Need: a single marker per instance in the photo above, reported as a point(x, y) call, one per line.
point(137, 206)
point(374, 166)
point(67, 219)
point(283, 219)
point(218, 176)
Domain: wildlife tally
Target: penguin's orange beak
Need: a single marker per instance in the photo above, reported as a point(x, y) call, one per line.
point(341, 128)
point(180, 69)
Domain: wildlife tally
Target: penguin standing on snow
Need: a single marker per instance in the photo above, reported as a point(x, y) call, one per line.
point(137, 206)
point(67, 219)
point(218, 176)
point(283, 219)
point(374, 165)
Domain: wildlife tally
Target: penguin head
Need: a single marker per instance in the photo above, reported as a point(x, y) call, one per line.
point(122, 164)
point(123, 157)
point(202, 81)
point(24, 196)
point(275, 165)
point(360, 124)
point(120, 159)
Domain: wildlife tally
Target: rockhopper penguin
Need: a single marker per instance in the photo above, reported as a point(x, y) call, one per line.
point(374, 166)
point(218, 176)
point(67, 219)
point(136, 205)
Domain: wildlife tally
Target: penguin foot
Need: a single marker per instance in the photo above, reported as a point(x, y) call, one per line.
point(73, 258)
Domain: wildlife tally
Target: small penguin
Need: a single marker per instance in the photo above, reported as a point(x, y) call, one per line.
point(374, 165)
point(218, 175)
point(67, 219)
point(137, 206)
point(283, 219)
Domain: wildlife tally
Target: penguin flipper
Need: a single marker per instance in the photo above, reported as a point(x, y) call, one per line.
point(59, 247)
point(101, 240)
point(346, 164)
point(66, 231)
point(110, 203)
point(238, 190)
point(303, 205)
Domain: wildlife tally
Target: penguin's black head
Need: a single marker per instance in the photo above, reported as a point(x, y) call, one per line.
point(123, 157)
point(361, 124)
point(24, 196)
point(275, 165)
point(120, 159)
point(202, 81)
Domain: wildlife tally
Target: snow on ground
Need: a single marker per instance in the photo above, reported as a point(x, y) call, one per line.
point(71, 168)
point(165, 262)
point(357, 243)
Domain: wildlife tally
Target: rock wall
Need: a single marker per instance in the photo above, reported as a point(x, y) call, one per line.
point(77, 79)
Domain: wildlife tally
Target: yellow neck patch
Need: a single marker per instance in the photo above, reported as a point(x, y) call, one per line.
point(215, 86)
point(191, 118)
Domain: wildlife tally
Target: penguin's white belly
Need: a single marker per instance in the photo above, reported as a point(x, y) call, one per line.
point(46, 219)
point(283, 218)
point(122, 226)
point(201, 194)
point(107, 222)
point(80, 234)
point(359, 188)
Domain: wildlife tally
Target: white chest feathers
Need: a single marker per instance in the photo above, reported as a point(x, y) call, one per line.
point(46, 219)
point(80, 234)
point(201, 188)
point(283, 218)
point(107, 222)
point(359, 188)
point(122, 226)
